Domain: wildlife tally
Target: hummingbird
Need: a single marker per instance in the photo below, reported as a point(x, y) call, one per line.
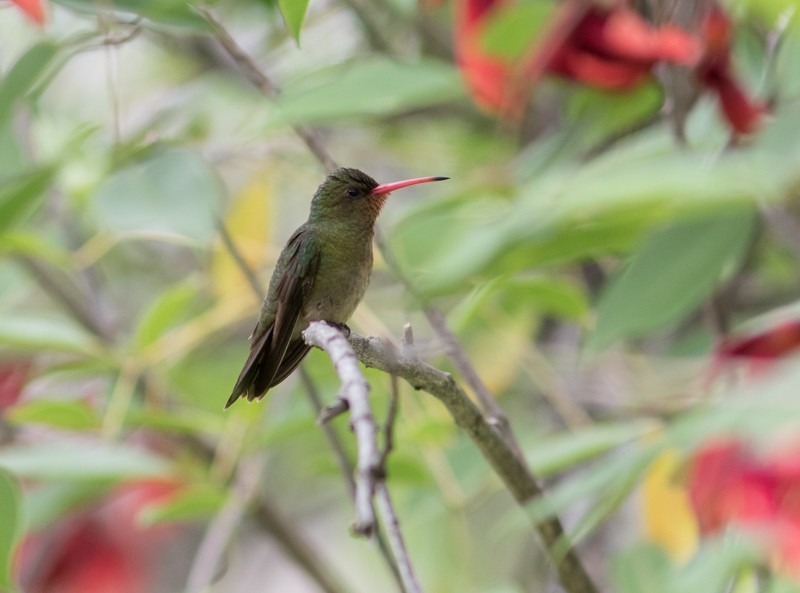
point(321, 275)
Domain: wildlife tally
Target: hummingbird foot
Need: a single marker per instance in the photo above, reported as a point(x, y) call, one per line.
point(342, 327)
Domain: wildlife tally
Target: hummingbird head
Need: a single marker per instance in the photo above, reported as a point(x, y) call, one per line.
point(350, 194)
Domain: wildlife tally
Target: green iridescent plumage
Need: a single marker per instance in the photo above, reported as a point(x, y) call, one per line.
point(321, 275)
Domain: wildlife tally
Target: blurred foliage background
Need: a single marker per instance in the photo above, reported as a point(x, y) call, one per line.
point(594, 255)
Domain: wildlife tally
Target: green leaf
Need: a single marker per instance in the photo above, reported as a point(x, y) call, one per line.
point(22, 194)
point(173, 192)
point(673, 272)
point(183, 420)
point(167, 12)
point(196, 501)
point(368, 88)
point(80, 461)
point(643, 569)
point(45, 333)
point(555, 454)
point(294, 12)
point(47, 502)
point(23, 75)
point(605, 114)
point(170, 308)
point(10, 519)
point(67, 414)
point(512, 30)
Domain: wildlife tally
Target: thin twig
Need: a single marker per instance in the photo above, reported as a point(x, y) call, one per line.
point(346, 467)
point(371, 471)
point(224, 524)
point(354, 390)
point(395, 537)
point(460, 359)
point(65, 293)
point(255, 75)
point(239, 260)
point(385, 507)
point(515, 474)
point(289, 538)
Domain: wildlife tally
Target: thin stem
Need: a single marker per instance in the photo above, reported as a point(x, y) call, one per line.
point(255, 75)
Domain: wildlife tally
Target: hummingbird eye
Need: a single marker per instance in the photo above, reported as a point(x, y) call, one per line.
point(352, 192)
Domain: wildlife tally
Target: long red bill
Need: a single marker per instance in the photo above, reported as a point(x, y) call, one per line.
point(386, 188)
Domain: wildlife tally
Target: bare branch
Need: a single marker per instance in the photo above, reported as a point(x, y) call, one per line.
point(395, 537)
point(460, 360)
point(355, 391)
point(372, 352)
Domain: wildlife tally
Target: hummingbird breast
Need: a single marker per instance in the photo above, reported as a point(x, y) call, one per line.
point(344, 271)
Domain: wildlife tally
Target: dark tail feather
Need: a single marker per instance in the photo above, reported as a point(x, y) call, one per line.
point(250, 371)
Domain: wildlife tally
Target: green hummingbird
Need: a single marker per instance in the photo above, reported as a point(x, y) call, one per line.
point(321, 275)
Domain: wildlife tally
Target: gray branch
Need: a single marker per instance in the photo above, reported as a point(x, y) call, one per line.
point(371, 473)
point(355, 392)
point(374, 353)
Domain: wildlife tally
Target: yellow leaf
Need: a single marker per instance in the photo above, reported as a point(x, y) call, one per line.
point(668, 517)
point(248, 225)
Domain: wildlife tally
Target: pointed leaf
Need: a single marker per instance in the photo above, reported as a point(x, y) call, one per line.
point(673, 272)
point(10, 519)
point(23, 76)
point(68, 414)
point(294, 12)
point(555, 454)
point(80, 461)
point(22, 194)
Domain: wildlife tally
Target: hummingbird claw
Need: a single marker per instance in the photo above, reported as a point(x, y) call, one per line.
point(342, 327)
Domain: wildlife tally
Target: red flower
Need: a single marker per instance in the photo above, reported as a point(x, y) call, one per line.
point(100, 551)
point(34, 9)
point(488, 77)
point(13, 377)
point(609, 47)
point(760, 350)
point(729, 485)
point(742, 113)
point(616, 49)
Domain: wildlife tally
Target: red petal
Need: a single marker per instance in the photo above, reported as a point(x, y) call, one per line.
point(33, 8)
point(623, 34)
point(772, 343)
point(486, 77)
point(13, 376)
point(597, 71)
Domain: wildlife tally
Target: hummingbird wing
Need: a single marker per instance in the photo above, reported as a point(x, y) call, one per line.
point(276, 349)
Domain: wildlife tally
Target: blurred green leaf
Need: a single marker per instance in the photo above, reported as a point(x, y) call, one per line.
point(512, 29)
point(47, 502)
point(182, 420)
point(71, 414)
point(171, 307)
point(642, 569)
point(88, 461)
point(558, 453)
point(168, 12)
point(196, 501)
point(598, 478)
point(22, 194)
point(45, 333)
point(36, 245)
point(294, 12)
point(717, 562)
point(23, 76)
point(368, 87)
point(674, 271)
point(11, 520)
point(174, 192)
point(602, 115)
